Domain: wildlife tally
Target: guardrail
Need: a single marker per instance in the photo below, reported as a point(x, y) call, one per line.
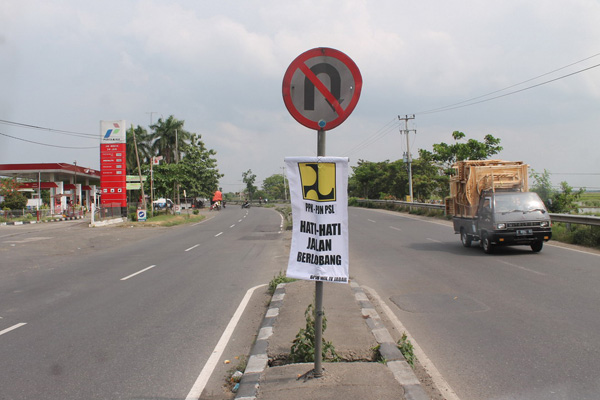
point(566, 218)
point(576, 219)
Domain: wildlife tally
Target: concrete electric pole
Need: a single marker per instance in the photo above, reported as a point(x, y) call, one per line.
point(407, 155)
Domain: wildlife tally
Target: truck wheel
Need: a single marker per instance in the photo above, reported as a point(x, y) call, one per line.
point(537, 246)
point(464, 238)
point(488, 247)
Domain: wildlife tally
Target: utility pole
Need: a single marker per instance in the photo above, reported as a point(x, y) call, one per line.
point(284, 185)
point(407, 155)
point(137, 157)
point(151, 112)
point(177, 161)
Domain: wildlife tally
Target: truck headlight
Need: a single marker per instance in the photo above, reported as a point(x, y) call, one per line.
point(545, 224)
point(500, 226)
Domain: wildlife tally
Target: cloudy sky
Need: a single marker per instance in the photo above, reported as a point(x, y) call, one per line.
point(219, 66)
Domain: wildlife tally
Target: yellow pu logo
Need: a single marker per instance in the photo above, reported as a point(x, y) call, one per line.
point(318, 181)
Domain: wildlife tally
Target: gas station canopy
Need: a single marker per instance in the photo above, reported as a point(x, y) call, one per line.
point(51, 172)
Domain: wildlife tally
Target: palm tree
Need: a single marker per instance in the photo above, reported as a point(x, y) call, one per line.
point(144, 148)
point(164, 137)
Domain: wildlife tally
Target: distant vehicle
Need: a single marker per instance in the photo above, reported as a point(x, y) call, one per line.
point(162, 204)
point(490, 203)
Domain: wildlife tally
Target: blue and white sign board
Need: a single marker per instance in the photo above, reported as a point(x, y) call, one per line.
point(319, 194)
point(141, 215)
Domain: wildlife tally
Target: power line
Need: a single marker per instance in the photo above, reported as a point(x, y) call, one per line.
point(46, 144)
point(377, 135)
point(516, 91)
point(516, 84)
point(70, 133)
point(574, 173)
point(469, 103)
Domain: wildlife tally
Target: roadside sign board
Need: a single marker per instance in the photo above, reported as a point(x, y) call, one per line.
point(321, 87)
point(319, 197)
point(113, 155)
point(141, 215)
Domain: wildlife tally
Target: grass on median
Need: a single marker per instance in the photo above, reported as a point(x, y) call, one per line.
point(170, 220)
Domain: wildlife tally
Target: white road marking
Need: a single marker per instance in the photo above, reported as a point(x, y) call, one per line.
point(12, 328)
point(240, 220)
point(28, 240)
point(397, 229)
point(139, 272)
point(370, 220)
point(568, 248)
point(437, 378)
point(523, 268)
point(210, 365)
point(219, 234)
point(232, 226)
point(193, 247)
point(433, 240)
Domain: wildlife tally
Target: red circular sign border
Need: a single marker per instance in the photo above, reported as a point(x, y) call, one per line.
point(320, 52)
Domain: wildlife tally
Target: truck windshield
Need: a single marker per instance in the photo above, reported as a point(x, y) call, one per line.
point(519, 202)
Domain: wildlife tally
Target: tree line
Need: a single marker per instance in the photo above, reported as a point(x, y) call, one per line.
point(431, 173)
point(187, 164)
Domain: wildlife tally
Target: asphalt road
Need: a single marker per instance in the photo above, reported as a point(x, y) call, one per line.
point(122, 313)
point(513, 325)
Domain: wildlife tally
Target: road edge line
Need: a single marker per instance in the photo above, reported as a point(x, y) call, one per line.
point(212, 361)
point(438, 380)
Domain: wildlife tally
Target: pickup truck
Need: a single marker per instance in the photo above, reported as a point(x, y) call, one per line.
point(490, 203)
point(505, 219)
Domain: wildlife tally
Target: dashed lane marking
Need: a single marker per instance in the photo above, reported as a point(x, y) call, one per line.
point(193, 247)
point(12, 328)
point(137, 273)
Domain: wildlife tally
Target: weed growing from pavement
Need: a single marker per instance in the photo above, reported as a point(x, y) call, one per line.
point(303, 346)
point(377, 355)
point(281, 278)
point(406, 348)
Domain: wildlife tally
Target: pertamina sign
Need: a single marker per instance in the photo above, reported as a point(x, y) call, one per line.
point(113, 167)
point(319, 194)
point(321, 88)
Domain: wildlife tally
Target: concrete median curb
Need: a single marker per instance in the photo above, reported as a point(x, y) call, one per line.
point(40, 222)
point(258, 360)
point(395, 361)
point(403, 373)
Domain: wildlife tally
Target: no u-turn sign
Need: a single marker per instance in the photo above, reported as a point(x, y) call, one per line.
point(321, 88)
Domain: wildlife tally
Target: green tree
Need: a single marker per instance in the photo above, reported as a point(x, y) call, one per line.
point(248, 178)
point(13, 199)
point(275, 187)
point(197, 172)
point(444, 155)
point(557, 201)
point(169, 138)
point(543, 186)
point(144, 148)
point(389, 180)
point(366, 178)
point(200, 168)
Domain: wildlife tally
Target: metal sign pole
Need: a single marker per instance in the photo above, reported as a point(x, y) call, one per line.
point(318, 372)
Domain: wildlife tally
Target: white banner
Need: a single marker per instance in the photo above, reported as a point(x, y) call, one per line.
point(319, 195)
